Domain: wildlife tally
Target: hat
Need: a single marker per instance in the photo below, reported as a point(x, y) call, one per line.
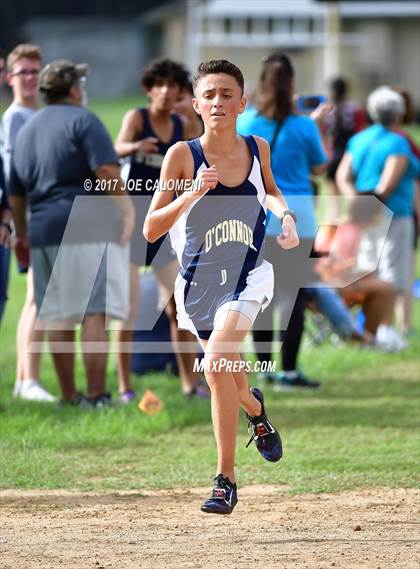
point(58, 76)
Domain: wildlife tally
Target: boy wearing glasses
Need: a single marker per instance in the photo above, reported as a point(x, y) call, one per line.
point(23, 66)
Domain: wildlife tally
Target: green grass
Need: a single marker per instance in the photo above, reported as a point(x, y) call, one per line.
point(361, 430)
point(112, 112)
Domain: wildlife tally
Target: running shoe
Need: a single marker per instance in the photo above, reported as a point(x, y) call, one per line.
point(265, 436)
point(223, 497)
point(127, 397)
point(299, 381)
point(99, 402)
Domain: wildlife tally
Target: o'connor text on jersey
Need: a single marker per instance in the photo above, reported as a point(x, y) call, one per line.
point(229, 230)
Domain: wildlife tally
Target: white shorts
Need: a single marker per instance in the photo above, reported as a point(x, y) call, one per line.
point(199, 301)
point(389, 253)
point(72, 280)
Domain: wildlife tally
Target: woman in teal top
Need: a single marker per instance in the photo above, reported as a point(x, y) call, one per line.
point(379, 159)
point(296, 153)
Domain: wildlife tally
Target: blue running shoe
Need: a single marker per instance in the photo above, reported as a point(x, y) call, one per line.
point(223, 497)
point(266, 438)
point(300, 381)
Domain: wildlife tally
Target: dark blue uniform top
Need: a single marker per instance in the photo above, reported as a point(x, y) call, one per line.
point(146, 168)
point(224, 229)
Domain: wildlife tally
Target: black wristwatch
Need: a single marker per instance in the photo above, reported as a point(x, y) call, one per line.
point(7, 226)
point(287, 212)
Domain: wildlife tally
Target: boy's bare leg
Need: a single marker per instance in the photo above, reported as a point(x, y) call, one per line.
point(20, 345)
point(31, 360)
point(225, 392)
point(246, 400)
point(166, 276)
point(28, 363)
point(224, 413)
point(124, 337)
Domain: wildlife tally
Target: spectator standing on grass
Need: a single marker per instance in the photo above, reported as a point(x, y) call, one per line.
point(346, 119)
point(296, 154)
point(23, 67)
point(339, 268)
point(379, 159)
point(145, 136)
point(405, 306)
point(5, 229)
point(55, 153)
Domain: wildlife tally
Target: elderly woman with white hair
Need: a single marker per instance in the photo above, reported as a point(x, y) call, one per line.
point(380, 160)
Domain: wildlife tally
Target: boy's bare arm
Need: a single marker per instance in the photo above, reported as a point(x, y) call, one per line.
point(164, 210)
point(127, 139)
point(276, 202)
point(178, 165)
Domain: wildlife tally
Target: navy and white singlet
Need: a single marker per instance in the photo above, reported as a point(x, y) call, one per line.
point(145, 168)
point(219, 241)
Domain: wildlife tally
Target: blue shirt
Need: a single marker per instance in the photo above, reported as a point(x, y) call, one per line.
point(369, 151)
point(297, 149)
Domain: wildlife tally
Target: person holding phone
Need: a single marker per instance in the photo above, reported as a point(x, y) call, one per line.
point(296, 154)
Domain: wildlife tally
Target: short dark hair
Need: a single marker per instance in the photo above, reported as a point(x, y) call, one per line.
point(338, 87)
point(218, 66)
point(164, 68)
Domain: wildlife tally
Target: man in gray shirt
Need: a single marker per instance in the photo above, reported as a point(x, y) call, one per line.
point(78, 241)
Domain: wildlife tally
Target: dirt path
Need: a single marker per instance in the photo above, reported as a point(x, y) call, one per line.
point(166, 530)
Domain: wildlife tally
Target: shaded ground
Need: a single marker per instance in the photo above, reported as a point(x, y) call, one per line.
point(160, 530)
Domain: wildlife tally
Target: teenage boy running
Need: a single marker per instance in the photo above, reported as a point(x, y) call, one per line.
point(145, 136)
point(218, 230)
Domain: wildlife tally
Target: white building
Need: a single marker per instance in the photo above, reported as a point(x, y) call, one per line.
point(370, 42)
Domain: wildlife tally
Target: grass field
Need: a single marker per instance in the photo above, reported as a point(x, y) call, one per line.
point(360, 430)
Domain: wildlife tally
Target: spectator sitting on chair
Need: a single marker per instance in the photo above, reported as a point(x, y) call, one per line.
point(375, 296)
point(379, 159)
